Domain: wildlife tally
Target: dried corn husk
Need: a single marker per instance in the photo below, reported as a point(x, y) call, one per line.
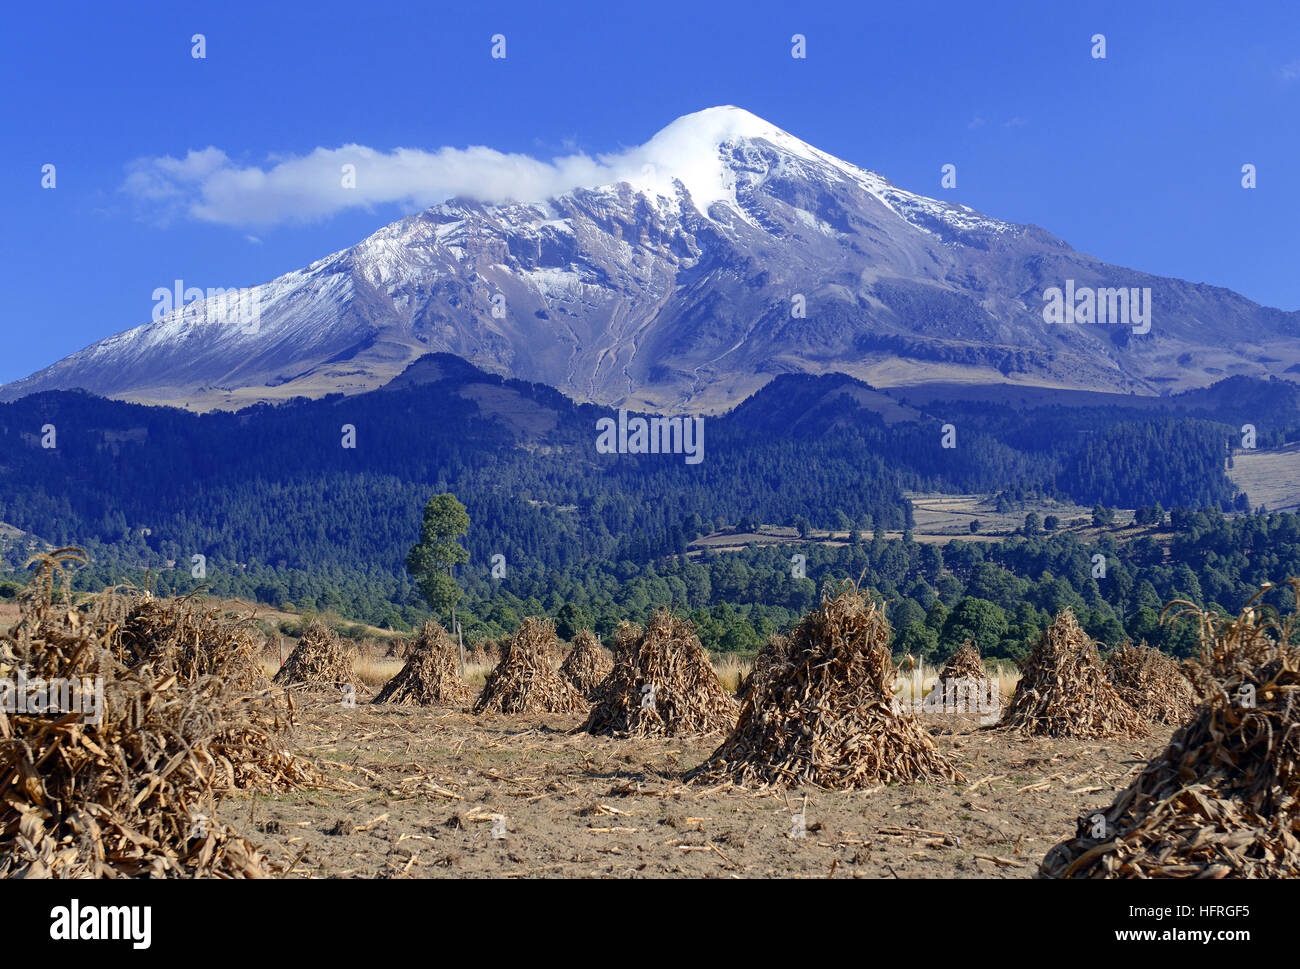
point(526, 681)
point(431, 674)
point(1063, 691)
point(826, 715)
point(662, 685)
point(1223, 799)
point(587, 664)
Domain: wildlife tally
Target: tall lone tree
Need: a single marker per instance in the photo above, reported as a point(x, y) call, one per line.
point(438, 552)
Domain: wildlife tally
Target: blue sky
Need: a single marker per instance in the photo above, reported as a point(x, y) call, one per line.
point(1135, 159)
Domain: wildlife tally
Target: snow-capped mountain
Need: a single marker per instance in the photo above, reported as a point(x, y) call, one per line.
point(737, 252)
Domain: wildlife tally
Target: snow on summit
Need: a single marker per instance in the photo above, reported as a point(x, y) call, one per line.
point(693, 150)
point(690, 151)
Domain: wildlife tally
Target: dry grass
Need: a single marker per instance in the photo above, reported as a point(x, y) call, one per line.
point(732, 671)
point(375, 672)
point(923, 679)
point(476, 674)
point(626, 638)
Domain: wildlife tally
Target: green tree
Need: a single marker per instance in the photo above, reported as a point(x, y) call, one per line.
point(570, 620)
point(904, 612)
point(937, 616)
point(724, 630)
point(1025, 627)
point(1148, 598)
point(432, 561)
point(978, 619)
point(1103, 627)
point(931, 562)
point(1144, 625)
point(919, 640)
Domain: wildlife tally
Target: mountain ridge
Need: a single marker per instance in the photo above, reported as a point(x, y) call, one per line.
point(680, 288)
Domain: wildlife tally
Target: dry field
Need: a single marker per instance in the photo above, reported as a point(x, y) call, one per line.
point(430, 792)
point(1269, 476)
point(940, 518)
point(941, 514)
point(199, 767)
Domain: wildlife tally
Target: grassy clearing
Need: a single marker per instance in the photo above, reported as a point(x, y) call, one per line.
point(731, 669)
point(376, 671)
point(921, 680)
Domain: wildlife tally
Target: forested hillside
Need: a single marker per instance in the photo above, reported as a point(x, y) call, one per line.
point(283, 512)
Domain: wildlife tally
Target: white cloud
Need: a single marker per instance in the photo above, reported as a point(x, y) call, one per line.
point(209, 186)
point(1291, 71)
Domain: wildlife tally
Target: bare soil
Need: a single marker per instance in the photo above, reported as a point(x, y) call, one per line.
point(430, 792)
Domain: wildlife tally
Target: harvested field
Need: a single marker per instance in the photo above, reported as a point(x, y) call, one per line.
point(427, 791)
point(431, 784)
